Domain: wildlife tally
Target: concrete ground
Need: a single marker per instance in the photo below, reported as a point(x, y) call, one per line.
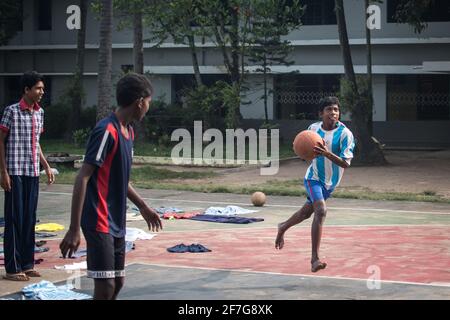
point(374, 250)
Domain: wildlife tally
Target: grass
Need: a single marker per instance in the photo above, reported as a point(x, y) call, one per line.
point(140, 149)
point(145, 174)
point(149, 177)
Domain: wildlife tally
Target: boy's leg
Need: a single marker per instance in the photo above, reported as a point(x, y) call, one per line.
point(304, 213)
point(13, 226)
point(119, 265)
point(100, 263)
point(320, 212)
point(31, 194)
point(104, 289)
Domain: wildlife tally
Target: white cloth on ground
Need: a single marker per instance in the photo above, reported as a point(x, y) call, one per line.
point(133, 234)
point(227, 211)
point(74, 266)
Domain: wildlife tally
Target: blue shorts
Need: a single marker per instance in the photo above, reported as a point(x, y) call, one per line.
point(315, 191)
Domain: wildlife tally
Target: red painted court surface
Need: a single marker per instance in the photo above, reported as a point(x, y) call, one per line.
point(406, 254)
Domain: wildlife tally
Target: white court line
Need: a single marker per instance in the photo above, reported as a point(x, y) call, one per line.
point(446, 285)
point(278, 205)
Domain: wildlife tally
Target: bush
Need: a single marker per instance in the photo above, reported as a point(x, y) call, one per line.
point(56, 120)
point(80, 137)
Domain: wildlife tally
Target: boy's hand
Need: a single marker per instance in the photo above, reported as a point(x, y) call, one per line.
point(5, 181)
point(50, 175)
point(321, 149)
point(70, 243)
point(152, 218)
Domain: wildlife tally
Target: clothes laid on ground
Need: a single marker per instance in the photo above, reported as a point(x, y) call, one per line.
point(40, 243)
point(133, 234)
point(49, 227)
point(74, 266)
point(184, 215)
point(2, 222)
point(134, 216)
point(40, 249)
point(163, 210)
point(226, 219)
point(227, 211)
point(45, 234)
point(46, 290)
point(1, 234)
point(181, 248)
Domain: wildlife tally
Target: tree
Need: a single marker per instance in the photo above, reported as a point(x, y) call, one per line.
point(180, 20)
point(105, 60)
point(10, 19)
point(269, 23)
point(76, 90)
point(356, 98)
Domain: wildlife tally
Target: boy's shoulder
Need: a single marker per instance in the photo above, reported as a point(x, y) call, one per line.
point(12, 107)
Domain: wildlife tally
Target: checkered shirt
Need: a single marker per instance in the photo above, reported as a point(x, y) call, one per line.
point(24, 128)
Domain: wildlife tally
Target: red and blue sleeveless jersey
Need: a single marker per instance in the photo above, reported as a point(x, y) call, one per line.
point(108, 149)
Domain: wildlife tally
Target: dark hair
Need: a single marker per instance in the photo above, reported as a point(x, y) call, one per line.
point(328, 101)
point(29, 80)
point(131, 87)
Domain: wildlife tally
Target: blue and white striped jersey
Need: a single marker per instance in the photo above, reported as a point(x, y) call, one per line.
point(340, 141)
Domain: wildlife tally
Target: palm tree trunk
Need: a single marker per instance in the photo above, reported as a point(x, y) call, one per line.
point(198, 77)
point(367, 151)
point(138, 63)
point(78, 83)
point(369, 69)
point(138, 43)
point(105, 60)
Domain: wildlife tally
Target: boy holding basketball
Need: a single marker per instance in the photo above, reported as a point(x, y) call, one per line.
point(101, 189)
point(323, 175)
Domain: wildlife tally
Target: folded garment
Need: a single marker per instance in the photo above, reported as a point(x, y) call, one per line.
point(74, 266)
point(46, 290)
point(227, 211)
point(40, 243)
point(44, 234)
point(163, 210)
point(50, 227)
point(185, 215)
point(181, 248)
point(133, 234)
point(134, 216)
point(226, 219)
point(40, 249)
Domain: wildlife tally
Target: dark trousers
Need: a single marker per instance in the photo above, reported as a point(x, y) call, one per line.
point(20, 220)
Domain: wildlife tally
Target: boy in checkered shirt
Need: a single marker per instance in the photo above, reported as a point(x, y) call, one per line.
point(20, 155)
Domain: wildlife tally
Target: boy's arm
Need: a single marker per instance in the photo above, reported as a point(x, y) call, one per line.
point(48, 170)
point(71, 241)
point(150, 216)
point(5, 179)
point(323, 150)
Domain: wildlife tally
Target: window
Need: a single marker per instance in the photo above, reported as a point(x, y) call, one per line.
point(319, 12)
point(44, 12)
point(418, 97)
point(438, 11)
point(296, 97)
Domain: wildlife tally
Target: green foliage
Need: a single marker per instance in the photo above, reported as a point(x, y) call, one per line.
point(350, 99)
point(412, 12)
point(80, 137)
point(56, 120)
point(10, 19)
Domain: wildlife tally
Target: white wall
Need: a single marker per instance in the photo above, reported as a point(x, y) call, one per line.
point(255, 110)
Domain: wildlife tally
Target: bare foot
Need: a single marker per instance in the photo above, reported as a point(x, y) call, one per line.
point(318, 265)
point(279, 241)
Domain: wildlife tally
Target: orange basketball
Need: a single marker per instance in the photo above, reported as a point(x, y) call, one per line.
point(304, 143)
